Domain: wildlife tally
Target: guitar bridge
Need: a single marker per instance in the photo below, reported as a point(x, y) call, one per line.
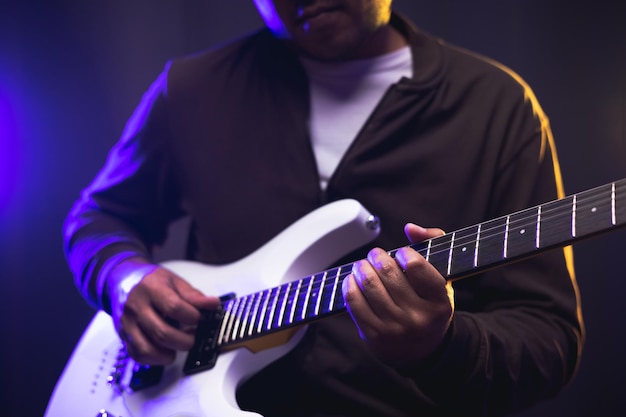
point(127, 374)
point(203, 354)
point(145, 376)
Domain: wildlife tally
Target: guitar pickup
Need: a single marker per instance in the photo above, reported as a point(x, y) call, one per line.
point(145, 376)
point(203, 354)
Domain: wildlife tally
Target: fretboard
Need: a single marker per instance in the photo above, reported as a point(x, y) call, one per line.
point(456, 255)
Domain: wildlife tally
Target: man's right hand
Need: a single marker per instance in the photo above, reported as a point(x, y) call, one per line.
point(154, 310)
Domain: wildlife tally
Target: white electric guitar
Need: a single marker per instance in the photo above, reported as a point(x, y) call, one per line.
point(271, 303)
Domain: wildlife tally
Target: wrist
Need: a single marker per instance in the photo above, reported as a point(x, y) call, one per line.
point(122, 278)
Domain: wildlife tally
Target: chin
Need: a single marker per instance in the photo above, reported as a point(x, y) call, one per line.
point(330, 48)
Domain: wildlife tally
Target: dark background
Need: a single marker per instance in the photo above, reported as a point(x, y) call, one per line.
point(72, 71)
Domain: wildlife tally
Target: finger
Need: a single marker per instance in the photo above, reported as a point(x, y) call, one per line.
point(163, 334)
point(173, 306)
point(195, 297)
point(417, 233)
point(393, 276)
point(423, 277)
point(141, 348)
point(367, 278)
point(382, 283)
point(357, 306)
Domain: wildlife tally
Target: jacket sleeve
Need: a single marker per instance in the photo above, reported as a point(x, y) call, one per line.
point(125, 211)
point(517, 333)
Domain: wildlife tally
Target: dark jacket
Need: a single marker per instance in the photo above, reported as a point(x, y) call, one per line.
point(222, 137)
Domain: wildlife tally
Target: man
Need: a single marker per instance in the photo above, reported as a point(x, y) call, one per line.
point(340, 99)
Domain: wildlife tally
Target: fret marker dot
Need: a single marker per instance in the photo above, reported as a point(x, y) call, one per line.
point(464, 249)
point(522, 231)
point(593, 210)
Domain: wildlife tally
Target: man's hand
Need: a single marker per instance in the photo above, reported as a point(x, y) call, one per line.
point(402, 307)
point(154, 310)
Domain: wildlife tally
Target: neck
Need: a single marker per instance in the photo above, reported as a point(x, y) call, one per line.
point(385, 40)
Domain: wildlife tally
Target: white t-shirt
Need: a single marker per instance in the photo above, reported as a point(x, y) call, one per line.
point(343, 95)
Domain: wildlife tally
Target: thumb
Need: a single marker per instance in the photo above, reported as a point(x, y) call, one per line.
point(195, 297)
point(417, 233)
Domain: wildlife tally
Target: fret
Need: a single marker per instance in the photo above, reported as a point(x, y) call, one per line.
point(266, 303)
point(492, 241)
point(272, 310)
point(246, 316)
point(319, 293)
point(450, 251)
point(595, 210)
point(464, 252)
point(238, 318)
point(302, 301)
point(613, 216)
point(276, 321)
point(233, 320)
point(294, 304)
point(523, 232)
point(230, 318)
point(283, 306)
point(422, 248)
point(476, 247)
point(313, 292)
point(331, 300)
point(538, 227)
point(337, 294)
point(439, 248)
point(505, 252)
point(619, 203)
point(255, 311)
point(574, 208)
point(226, 320)
point(307, 299)
point(556, 222)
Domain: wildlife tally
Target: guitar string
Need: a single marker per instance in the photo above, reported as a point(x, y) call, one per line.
point(556, 209)
point(520, 223)
point(585, 200)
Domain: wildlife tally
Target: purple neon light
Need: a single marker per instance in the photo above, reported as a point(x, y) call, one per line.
point(9, 151)
point(270, 16)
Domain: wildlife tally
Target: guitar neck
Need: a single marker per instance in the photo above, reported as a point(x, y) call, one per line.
point(455, 255)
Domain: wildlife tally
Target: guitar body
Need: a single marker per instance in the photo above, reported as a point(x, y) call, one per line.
point(96, 380)
point(99, 378)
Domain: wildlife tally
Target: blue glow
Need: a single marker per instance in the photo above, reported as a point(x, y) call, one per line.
point(9, 151)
